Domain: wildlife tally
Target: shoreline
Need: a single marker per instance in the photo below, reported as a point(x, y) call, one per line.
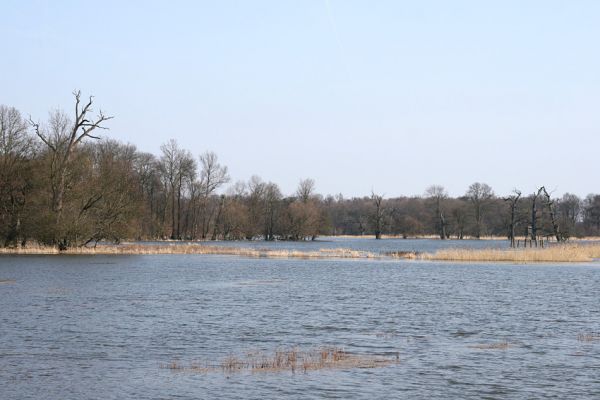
point(563, 253)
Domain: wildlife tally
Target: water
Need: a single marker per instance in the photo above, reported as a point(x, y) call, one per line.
point(91, 327)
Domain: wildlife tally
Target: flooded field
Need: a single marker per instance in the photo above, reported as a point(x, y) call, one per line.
point(75, 327)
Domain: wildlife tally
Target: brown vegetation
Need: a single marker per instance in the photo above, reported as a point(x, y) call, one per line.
point(492, 346)
point(293, 360)
point(63, 185)
point(573, 252)
point(556, 253)
point(140, 249)
point(588, 337)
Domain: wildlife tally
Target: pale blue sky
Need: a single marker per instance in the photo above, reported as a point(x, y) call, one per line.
point(389, 95)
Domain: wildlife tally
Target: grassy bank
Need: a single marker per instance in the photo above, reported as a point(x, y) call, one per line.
point(555, 253)
point(572, 252)
point(169, 248)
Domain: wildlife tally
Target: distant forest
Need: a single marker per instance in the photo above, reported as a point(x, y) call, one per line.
point(61, 184)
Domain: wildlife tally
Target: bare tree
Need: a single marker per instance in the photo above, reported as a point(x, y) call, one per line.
point(212, 176)
point(550, 204)
point(513, 201)
point(534, 214)
point(62, 140)
point(479, 195)
point(179, 167)
point(306, 189)
point(16, 150)
point(378, 214)
point(570, 212)
point(271, 203)
point(438, 194)
point(168, 164)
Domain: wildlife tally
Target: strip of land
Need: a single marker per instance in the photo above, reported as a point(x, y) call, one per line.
point(554, 253)
point(572, 252)
point(193, 248)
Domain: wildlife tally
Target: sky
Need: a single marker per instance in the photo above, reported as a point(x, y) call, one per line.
point(361, 96)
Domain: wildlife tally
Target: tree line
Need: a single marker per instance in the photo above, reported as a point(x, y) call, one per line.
point(61, 184)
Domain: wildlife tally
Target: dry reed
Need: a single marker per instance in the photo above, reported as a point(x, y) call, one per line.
point(555, 253)
point(588, 337)
point(193, 248)
point(293, 360)
point(492, 346)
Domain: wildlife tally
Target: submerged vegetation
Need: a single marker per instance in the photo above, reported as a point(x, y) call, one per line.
point(64, 186)
point(292, 360)
point(504, 345)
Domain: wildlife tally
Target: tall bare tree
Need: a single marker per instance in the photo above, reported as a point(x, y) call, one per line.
point(378, 214)
point(513, 201)
point(534, 215)
point(550, 204)
point(479, 194)
point(306, 189)
point(212, 176)
point(437, 194)
point(178, 167)
point(62, 138)
point(16, 152)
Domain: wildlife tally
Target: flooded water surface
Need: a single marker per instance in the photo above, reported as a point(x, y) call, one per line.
point(74, 327)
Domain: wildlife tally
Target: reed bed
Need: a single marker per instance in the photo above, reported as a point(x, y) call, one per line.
point(556, 253)
point(292, 360)
point(589, 337)
point(492, 346)
point(193, 248)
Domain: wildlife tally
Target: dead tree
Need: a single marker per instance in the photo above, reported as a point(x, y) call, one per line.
point(513, 200)
point(62, 143)
point(534, 215)
point(551, 210)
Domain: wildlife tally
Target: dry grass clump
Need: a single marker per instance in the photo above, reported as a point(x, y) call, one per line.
point(556, 253)
point(7, 281)
point(492, 346)
point(410, 255)
point(193, 248)
point(588, 337)
point(293, 360)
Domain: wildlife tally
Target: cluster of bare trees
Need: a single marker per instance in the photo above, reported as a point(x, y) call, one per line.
point(61, 184)
point(479, 212)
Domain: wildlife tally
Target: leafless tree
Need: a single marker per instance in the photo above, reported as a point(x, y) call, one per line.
point(513, 201)
point(62, 138)
point(550, 204)
point(378, 214)
point(179, 167)
point(212, 176)
point(479, 195)
point(271, 203)
point(306, 189)
point(534, 214)
point(570, 207)
point(437, 194)
point(16, 150)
